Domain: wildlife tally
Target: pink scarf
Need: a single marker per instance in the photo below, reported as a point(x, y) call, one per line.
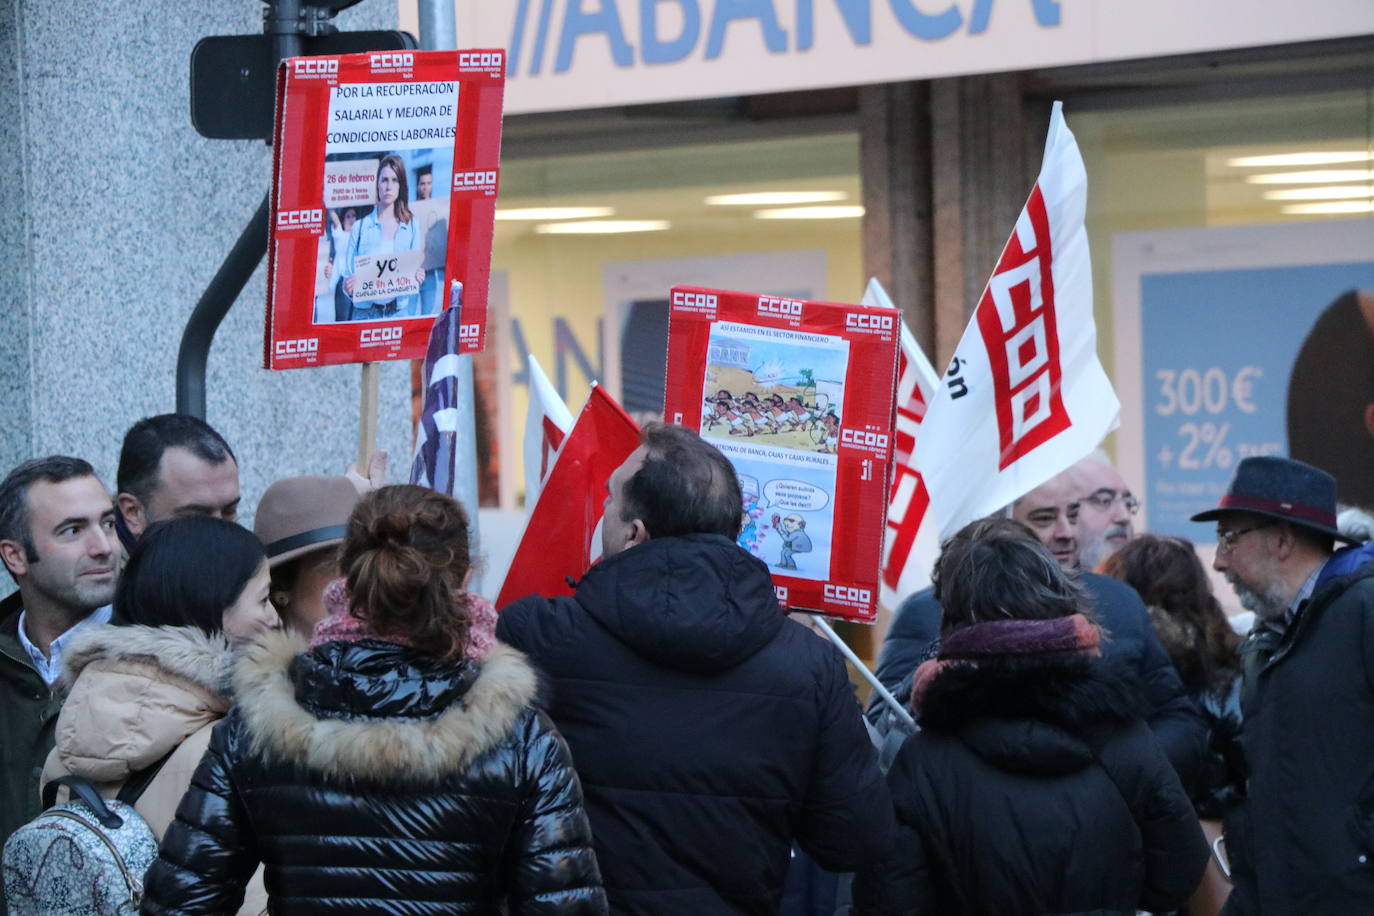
point(1059, 636)
point(342, 626)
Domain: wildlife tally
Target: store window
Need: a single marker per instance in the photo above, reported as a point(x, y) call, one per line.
point(588, 246)
point(1233, 262)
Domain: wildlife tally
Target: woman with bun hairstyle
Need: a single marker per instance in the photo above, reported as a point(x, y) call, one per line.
point(395, 764)
point(146, 691)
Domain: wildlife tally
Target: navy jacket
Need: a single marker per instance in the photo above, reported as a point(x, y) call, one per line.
point(709, 731)
point(1130, 639)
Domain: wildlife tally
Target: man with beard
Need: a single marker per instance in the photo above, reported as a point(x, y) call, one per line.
point(1302, 841)
point(57, 539)
point(1106, 509)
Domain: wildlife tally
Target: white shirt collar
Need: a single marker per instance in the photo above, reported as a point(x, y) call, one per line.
point(49, 667)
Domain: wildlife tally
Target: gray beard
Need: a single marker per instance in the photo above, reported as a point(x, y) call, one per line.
point(1267, 605)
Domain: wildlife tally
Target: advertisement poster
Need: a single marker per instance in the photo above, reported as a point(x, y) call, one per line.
point(1239, 341)
point(383, 198)
point(798, 394)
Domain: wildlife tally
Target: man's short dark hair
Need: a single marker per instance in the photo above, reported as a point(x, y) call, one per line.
point(14, 494)
point(685, 486)
point(997, 569)
point(147, 439)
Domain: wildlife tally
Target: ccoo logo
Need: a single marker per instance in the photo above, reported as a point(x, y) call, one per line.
point(694, 300)
point(868, 322)
point(315, 66)
point(300, 219)
point(481, 60)
point(863, 439)
point(848, 594)
point(392, 62)
point(299, 347)
point(380, 335)
point(780, 308)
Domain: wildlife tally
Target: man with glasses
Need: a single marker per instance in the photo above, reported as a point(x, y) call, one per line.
point(1302, 841)
point(1106, 509)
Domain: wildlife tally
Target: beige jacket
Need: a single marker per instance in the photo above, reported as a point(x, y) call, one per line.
point(137, 693)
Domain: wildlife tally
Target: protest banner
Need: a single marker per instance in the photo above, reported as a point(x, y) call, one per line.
point(560, 540)
point(798, 394)
point(385, 170)
point(911, 546)
point(1024, 396)
point(547, 421)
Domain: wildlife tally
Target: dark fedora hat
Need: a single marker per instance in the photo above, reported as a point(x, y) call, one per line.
point(1284, 489)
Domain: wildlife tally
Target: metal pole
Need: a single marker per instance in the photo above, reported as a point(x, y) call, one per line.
point(854, 660)
point(438, 32)
point(282, 20)
point(214, 304)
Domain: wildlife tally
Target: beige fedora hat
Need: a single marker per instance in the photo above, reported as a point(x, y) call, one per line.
point(298, 515)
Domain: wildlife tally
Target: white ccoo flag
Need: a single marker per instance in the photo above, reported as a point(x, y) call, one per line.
point(1025, 395)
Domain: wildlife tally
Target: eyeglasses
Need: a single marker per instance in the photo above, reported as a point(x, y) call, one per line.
point(1226, 540)
point(1104, 499)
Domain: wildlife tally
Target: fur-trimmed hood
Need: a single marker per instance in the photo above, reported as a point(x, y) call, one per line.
point(1031, 716)
point(285, 720)
point(136, 693)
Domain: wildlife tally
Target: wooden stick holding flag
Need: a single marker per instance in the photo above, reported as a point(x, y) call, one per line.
point(367, 414)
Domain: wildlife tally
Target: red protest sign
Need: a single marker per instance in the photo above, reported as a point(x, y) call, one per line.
point(798, 394)
point(385, 168)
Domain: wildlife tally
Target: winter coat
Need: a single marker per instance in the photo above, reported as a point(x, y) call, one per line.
point(1302, 842)
point(1032, 789)
point(136, 695)
point(371, 778)
point(1128, 638)
point(710, 731)
point(28, 715)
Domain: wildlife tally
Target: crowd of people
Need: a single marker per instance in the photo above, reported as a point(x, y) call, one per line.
point(320, 717)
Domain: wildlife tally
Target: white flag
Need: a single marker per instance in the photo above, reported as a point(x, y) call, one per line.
point(1025, 395)
point(546, 424)
point(910, 546)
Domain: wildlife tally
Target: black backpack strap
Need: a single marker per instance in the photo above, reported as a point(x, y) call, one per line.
point(138, 783)
point(86, 792)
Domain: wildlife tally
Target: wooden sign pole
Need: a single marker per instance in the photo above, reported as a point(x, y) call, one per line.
point(367, 415)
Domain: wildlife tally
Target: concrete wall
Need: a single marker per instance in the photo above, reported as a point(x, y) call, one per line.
point(116, 217)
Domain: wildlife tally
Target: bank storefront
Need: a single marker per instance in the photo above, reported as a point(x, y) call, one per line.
point(800, 146)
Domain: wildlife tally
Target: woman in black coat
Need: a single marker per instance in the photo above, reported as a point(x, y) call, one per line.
point(1033, 786)
point(394, 766)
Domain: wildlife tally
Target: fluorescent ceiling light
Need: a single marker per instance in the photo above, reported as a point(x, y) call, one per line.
point(1280, 160)
point(1324, 176)
point(1331, 192)
point(1334, 206)
point(544, 213)
point(602, 227)
point(774, 198)
point(840, 212)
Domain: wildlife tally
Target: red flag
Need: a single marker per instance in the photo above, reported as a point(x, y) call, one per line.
point(557, 543)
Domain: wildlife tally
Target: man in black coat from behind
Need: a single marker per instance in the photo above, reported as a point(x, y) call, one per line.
point(1051, 512)
point(709, 731)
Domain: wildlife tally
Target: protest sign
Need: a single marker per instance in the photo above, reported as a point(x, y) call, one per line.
point(798, 394)
point(1024, 396)
point(385, 169)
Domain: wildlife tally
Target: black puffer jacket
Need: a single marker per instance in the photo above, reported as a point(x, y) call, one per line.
point(369, 778)
point(1032, 789)
point(709, 731)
